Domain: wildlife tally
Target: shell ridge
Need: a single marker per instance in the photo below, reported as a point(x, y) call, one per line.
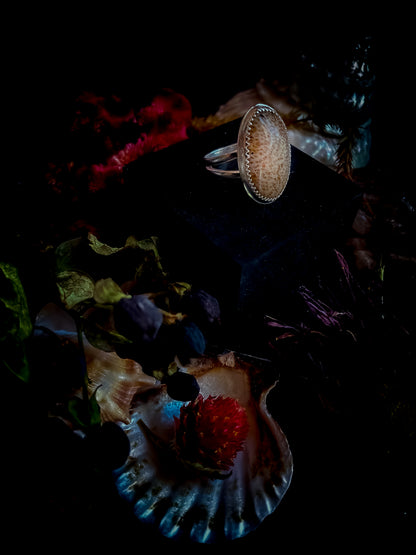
point(261, 503)
point(280, 438)
point(147, 506)
point(170, 523)
point(239, 510)
point(216, 494)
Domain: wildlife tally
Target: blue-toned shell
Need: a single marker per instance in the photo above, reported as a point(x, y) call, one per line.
point(201, 508)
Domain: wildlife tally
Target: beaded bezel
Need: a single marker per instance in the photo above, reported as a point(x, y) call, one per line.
point(244, 154)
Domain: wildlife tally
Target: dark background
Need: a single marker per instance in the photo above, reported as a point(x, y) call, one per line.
point(208, 55)
point(340, 489)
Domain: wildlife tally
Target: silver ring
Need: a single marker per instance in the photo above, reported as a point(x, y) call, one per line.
point(261, 156)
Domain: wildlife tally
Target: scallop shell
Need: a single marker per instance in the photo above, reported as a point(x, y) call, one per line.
point(200, 508)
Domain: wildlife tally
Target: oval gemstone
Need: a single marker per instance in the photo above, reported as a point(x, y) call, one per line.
point(263, 153)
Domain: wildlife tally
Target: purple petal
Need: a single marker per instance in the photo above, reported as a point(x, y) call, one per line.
point(346, 271)
point(320, 310)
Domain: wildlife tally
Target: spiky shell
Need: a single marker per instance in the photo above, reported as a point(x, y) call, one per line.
point(197, 507)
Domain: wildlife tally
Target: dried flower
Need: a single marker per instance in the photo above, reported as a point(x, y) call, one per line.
point(115, 135)
point(325, 314)
point(210, 432)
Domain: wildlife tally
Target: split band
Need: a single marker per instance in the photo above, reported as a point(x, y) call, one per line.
point(260, 158)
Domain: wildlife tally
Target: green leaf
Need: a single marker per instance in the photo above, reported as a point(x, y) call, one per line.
point(14, 300)
point(85, 413)
point(136, 260)
point(95, 417)
point(107, 291)
point(148, 244)
point(98, 328)
point(69, 255)
point(78, 411)
point(101, 248)
point(180, 288)
point(74, 288)
point(151, 266)
point(15, 322)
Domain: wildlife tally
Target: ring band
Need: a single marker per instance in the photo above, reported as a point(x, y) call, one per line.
point(261, 156)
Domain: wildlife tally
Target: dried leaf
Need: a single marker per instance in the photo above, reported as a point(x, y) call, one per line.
point(107, 291)
point(74, 288)
point(15, 322)
point(101, 248)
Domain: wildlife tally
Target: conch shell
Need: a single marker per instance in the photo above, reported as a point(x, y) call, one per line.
point(201, 508)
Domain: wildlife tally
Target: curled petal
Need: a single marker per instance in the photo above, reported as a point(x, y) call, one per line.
point(324, 313)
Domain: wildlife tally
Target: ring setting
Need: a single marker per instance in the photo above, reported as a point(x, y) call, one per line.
point(260, 158)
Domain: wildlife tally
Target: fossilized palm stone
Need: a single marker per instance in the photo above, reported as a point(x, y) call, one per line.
point(263, 153)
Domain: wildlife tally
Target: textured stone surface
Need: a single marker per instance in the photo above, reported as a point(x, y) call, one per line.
point(264, 153)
